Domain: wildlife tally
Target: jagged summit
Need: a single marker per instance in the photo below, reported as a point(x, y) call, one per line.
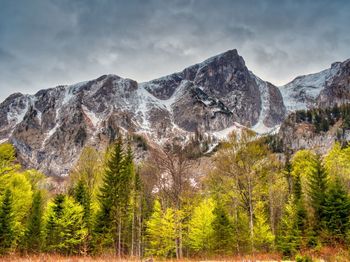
point(315, 89)
point(213, 97)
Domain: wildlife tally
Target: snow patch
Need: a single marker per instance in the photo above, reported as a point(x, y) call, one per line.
point(16, 115)
point(3, 140)
point(91, 115)
point(297, 94)
point(223, 134)
point(260, 127)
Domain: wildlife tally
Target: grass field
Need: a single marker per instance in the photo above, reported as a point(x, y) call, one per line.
point(327, 254)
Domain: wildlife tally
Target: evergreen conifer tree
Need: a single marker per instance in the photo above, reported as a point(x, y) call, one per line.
point(52, 231)
point(289, 237)
point(317, 187)
point(65, 227)
point(6, 223)
point(222, 231)
point(115, 197)
point(81, 195)
point(33, 235)
point(336, 212)
point(263, 238)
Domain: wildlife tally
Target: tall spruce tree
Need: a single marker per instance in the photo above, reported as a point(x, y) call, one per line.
point(52, 231)
point(65, 227)
point(33, 235)
point(136, 207)
point(289, 236)
point(336, 212)
point(317, 187)
point(263, 238)
point(222, 231)
point(82, 196)
point(300, 215)
point(114, 198)
point(6, 223)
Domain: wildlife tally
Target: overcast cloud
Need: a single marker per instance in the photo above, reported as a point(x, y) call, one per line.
point(44, 43)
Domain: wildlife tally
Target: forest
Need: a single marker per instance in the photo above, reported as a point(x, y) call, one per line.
point(246, 200)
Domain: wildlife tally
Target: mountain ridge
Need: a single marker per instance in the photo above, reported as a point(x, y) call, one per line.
point(220, 94)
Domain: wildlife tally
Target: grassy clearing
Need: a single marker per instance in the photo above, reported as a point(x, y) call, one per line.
point(328, 254)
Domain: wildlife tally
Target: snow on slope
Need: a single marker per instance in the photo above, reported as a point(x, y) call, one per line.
point(303, 90)
point(260, 127)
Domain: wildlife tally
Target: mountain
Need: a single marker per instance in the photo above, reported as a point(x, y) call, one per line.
point(324, 89)
point(50, 129)
point(323, 115)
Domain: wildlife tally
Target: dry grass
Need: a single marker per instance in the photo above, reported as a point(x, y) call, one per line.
point(59, 258)
point(338, 254)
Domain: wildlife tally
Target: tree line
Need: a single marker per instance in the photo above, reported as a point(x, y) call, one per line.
point(244, 199)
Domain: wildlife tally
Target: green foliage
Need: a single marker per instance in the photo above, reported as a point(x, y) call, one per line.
point(336, 212)
point(7, 159)
point(114, 198)
point(263, 238)
point(140, 142)
point(200, 226)
point(317, 186)
point(300, 258)
point(33, 237)
point(289, 237)
point(322, 118)
point(7, 236)
point(82, 196)
point(21, 191)
point(65, 227)
point(275, 144)
point(223, 231)
point(161, 232)
point(337, 164)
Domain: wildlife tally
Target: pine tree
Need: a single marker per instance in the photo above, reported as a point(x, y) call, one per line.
point(223, 229)
point(114, 198)
point(6, 223)
point(33, 235)
point(301, 215)
point(154, 230)
point(136, 207)
point(161, 232)
point(200, 226)
point(289, 237)
point(336, 212)
point(65, 227)
point(107, 222)
point(82, 196)
point(317, 186)
point(263, 238)
point(52, 230)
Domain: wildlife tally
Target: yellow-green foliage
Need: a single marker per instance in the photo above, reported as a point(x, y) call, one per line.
point(7, 159)
point(337, 163)
point(67, 227)
point(200, 226)
point(21, 191)
point(263, 238)
point(161, 232)
point(304, 163)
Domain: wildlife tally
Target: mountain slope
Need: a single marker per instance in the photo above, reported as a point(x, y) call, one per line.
point(326, 88)
point(50, 128)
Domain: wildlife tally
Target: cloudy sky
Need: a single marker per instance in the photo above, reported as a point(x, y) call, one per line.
point(44, 43)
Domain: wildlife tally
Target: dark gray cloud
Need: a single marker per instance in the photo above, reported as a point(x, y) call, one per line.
point(44, 43)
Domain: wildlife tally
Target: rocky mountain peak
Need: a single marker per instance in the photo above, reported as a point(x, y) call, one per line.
point(216, 96)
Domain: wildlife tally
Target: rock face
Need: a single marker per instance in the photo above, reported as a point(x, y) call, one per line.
point(337, 88)
point(50, 128)
point(324, 89)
